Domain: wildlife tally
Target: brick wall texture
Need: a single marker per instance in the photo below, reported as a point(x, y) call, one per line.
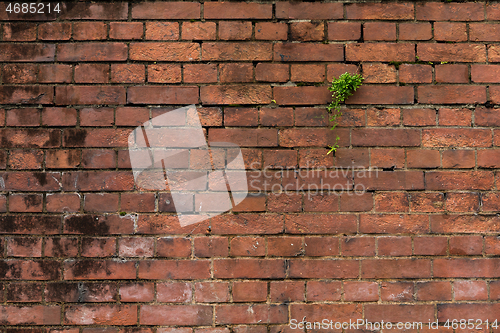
point(84, 249)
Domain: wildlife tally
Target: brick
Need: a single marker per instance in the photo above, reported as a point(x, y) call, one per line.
point(98, 247)
point(451, 94)
point(229, 30)
point(173, 292)
point(236, 51)
point(59, 159)
point(320, 203)
point(235, 73)
point(360, 291)
point(164, 73)
point(272, 72)
point(213, 292)
point(392, 224)
point(493, 53)
point(284, 246)
point(435, 11)
point(451, 52)
point(31, 315)
point(284, 202)
point(430, 245)
point(26, 94)
point(33, 52)
point(61, 247)
point(434, 290)
point(90, 95)
point(455, 117)
point(54, 73)
point(19, 73)
point(249, 291)
point(104, 314)
point(308, 52)
point(54, 31)
point(89, 31)
point(77, 52)
point(305, 95)
point(465, 267)
point(162, 95)
point(395, 268)
point(391, 202)
point(314, 158)
point(396, 291)
point(454, 137)
point(373, 95)
point(233, 94)
point(458, 180)
point(452, 73)
point(199, 30)
point(240, 314)
point(162, 31)
point(157, 51)
point(384, 52)
point(381, 31)
point(248, 246)
point(199, 73)
point(137, 292)
point(396, 313)
point(333, 268)
point(230, 10)
point(97, 225)
point(466, 245)
point(271, 31)
point(24, 247)
point(23, 117)
point(308, 73)
point(394, 246)
point(427, 202)
point(138, 202)
point(166, 10)
point(340, 31)
point(321, 246)
point(379, 73)
point(95, 11)
point(448, 31)
point(377, 11)
point(92, 73)
point(456, 311)
point(385, 137)
point(485, 73)
point(309, 11)
point(30, 203)
point(419, 117)
point(470, 290)
point(209, 247)
point(249, 268)
point(319, 224)
point(459, 159)
point(462, 223)
point(19, 31)
point(32, 181)
point(486, 117)
point(306, 31)
point(315, 312)
point(174, 269)
point(335, 70)
point(125, 30)
point(324, 290)
point(24, 292)
point(415, 31)
point(101, 202)
point(127, 73)
point(286, 291)
point(356, 202)
point(462, 202)
point(415, 73)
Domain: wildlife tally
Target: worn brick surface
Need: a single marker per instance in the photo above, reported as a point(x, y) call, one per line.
point(83, 248)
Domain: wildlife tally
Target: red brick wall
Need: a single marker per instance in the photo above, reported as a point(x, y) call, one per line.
point(83, 247)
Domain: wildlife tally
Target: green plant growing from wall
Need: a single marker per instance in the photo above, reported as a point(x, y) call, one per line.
point(341, 88)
